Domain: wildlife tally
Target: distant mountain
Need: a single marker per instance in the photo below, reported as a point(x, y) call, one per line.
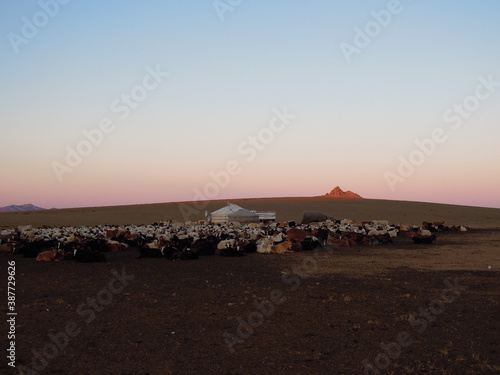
point(22, 207)
point(339, 193)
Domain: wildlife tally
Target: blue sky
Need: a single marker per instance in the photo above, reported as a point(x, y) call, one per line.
point(353, 120)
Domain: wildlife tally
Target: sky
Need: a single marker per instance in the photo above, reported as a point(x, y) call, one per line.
point(128, 102)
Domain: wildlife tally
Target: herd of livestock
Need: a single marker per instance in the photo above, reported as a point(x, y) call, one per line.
point(185, 241)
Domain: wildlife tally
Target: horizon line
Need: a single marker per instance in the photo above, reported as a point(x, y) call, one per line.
point(241, 198)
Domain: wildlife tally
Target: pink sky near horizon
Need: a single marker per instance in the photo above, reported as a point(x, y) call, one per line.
point(122, 179)
point(99, 194)
point(99, 182)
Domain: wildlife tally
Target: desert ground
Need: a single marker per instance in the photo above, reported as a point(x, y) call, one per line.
point(400, 308)
point(398, 212)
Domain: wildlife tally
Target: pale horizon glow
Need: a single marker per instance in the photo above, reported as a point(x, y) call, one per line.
point(223, 81)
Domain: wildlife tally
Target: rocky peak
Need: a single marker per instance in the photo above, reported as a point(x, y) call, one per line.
point(337, 192)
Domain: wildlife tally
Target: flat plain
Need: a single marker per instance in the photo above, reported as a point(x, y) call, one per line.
point(400, 308)
point(398, 212)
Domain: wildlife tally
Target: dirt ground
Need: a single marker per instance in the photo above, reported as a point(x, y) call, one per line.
point(397, 212)
point(335, 311)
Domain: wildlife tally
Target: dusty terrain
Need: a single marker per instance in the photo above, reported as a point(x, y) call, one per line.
point(329, 312)
point(398, 212)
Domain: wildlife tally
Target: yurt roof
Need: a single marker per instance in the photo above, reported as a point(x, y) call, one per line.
point(229, 209)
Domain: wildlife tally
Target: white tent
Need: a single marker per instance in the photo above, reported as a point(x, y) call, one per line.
point(233, 213)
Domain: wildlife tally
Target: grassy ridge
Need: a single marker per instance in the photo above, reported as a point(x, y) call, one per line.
point(287, 209)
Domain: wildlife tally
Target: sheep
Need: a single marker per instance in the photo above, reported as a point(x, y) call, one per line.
point(232, 251)
point(226, 243)
point(49, 256)
point(281, 248)
point(393, 232)
point(264, 245)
